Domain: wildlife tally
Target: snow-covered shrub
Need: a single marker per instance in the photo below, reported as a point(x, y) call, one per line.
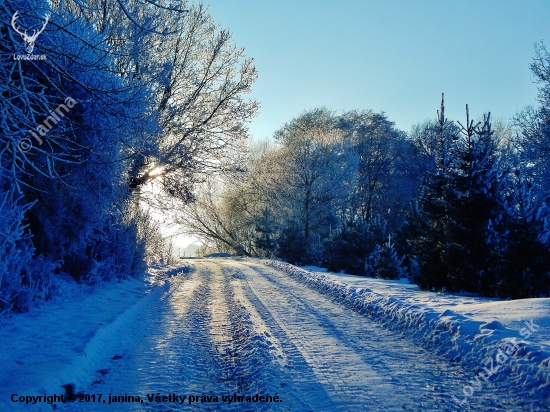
point(315, 253)
point(157, 248)
point(23, 278)
point(349, 247)
point(384, 262)
point(15, 251)
point(116, 253)
point(372, 261)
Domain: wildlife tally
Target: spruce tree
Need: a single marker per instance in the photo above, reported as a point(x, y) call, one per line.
point(458, 223)
point(347, 248)
point(527, 264)
point(384, 262)
point(372, 261)
point(425, 221)
point(473, 224)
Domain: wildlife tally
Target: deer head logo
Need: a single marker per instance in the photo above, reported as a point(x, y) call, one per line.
point(29, 40)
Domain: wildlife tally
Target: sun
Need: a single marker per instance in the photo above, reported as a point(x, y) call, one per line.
point(156, 171)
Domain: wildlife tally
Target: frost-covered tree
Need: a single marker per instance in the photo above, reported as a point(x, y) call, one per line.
point(238, 214)
point(156, 247)
point(200, 90)
point(424, 228)
point(382, 184)
point(314, 171)
point(533, 125)
point(24, 278)
point(196, 79)
point(103, 105)
point(309, 188)
point(219, 220)
point(459, 242)
point(526, 270)
point(384, 262)
point(53, 136)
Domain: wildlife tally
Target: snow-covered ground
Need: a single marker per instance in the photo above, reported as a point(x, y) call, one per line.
point(510, 313)
point(241, 327)
point(67, 340)
point(497, 340)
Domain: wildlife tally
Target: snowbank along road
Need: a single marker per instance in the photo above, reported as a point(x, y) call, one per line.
point(238, 335)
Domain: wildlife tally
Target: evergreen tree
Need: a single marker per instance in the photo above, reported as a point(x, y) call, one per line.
point(425, 221)
point(473, 224)
point(372, 261)
point(347, 248)
point(527, 264)
point(459, 240)
point(389, 264)
point(293, 244)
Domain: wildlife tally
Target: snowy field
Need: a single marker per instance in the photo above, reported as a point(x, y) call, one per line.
point(229, 329)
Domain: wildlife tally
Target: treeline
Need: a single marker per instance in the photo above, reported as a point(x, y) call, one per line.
point(111, 105)
point(455, 206)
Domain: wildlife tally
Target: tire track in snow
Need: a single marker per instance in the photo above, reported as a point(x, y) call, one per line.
point(198, 338)
point(239, 327)
point(250, 361)
point(280, 359)
point(405, 375)
point(176, 355)
point(337, 370)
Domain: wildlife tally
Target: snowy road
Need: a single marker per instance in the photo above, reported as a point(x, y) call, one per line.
point(238, 327)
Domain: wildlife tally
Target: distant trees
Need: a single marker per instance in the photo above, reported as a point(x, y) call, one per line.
point(221, 219)
point(454, 207)
point(315, 168)
point(334, 192)
point(382, 177)
point(289, 192)
point(305, 197)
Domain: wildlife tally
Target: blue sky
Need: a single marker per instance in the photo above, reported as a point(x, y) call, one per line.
point(387, 55)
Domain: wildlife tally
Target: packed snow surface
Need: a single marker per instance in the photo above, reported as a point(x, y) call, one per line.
point(234, 334)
